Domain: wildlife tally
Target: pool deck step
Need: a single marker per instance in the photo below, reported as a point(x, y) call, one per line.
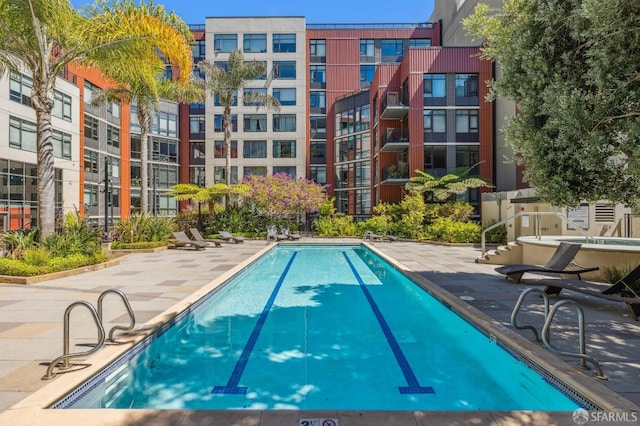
point(503, 255)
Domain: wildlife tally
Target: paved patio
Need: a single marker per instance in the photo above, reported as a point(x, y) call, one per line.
point(31, 330)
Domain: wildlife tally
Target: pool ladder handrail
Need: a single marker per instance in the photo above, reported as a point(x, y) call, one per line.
point(97, 318)
point(549, 314)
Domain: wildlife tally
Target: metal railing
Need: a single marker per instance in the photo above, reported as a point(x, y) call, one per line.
point(537, 227)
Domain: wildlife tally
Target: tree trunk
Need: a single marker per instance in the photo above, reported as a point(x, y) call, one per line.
point(42, 105)
point(226, 123)
point(144, 118)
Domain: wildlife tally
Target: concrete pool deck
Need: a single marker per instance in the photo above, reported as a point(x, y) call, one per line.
point(31, 334)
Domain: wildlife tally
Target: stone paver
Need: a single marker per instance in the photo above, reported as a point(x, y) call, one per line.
point(31, 328)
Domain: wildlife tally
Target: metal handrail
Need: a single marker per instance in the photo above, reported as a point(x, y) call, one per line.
point(516, 309)
point(66, 356)
point(582, 354)
point(126, 304)
point(538, 231)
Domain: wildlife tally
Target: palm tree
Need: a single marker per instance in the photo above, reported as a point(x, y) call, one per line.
point(456, 182)
point(225, 83)
point(147, 98)
point(44, 36)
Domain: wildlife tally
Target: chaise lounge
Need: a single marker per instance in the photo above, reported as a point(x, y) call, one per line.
point(197, 236)
point(272, 234)
point(183, 241)
point(560, 263)
point(369, 235)
point(227, 237)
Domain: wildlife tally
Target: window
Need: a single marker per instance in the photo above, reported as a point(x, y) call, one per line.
point(113, 108)
point(22, 134)
point(217, 101)
point(254, 149)
point(218, 123)
point(197, 176)
point(164, 123)
point(113, 136)
point(88, 92)
point(61, 106)
point(164, 150)
point(318, 174)
point(135, 124)
point(284, 149)
point(197, 127)
point(255, 43)
point(135, 146)
point(61, 145)
point(318, 127)
point(255, 123)
point(197, 153)
point(225, 43)
point(220, 152)
point(466, 89)
point(318, 50)
point(467, 156)
point(20, 87)
point(435, 121)
point(391, 48)
point(317, 76)
point(435, 89)
point(198, 49)
point(420, 42)
point(286, 96)
point(317, 150)
point(220, 174)
point(367, 50)
point(467, 121)
point(284, 43)
point(113, 166)
point(264, 65)
point(284, 122)
point(222, 65)
point(197, 73)
point(253, 96)
point(167, 176)
point(366, 74)
point(284, 70)
point(91, 127)
point(318, 102)
point(435, 159)
point(91, 195)
point(91, 159)
point(256, 170)
point(290, 170)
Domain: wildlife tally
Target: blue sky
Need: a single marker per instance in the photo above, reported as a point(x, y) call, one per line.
point(316, 11)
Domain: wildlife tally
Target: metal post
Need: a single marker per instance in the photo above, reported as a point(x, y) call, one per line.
point(155, 193)
point(200, 206)
point(106, 199)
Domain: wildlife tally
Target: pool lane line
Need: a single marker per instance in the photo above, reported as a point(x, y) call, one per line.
point(407, 371)
point(232, 385)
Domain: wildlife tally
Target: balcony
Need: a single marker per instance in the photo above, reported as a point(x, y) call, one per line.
point(395, 174)
point(394, 107)
point(395, 140)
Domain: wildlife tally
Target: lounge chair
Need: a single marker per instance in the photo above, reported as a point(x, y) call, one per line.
point(560, 263)
point(288, 235)
point(227, 237)
point(183, 241)
point(197, 236)
point(626, 290)
point(272, 234)
point(368, 235)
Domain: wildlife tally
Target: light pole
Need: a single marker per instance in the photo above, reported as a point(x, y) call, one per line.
point(155, 193)
point(199, 206)
point(107, 162)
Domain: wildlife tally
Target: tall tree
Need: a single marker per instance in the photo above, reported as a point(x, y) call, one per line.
point(225, 84)
point(573, 67)
point(42, 37)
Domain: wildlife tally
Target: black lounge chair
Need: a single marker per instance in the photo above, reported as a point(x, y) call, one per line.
point(626, 290)
point(227, 237)
point(368, 235)
point(183, 241)
point(197, 236)
point(560, 263)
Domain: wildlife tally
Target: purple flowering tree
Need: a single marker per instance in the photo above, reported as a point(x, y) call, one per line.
point(281, 195)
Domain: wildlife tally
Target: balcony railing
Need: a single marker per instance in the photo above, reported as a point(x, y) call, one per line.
point(394, 106)
point(395, 139)
point(395, 173)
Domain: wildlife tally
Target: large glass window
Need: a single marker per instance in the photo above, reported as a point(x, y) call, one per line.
point(164, 150)
point(61, 145)
point(467, 121)
point(197, 152)
point(22, 134)
point(318, 102)
point(234, 100)
point(317, 76)
point(255, 123)
point(435, 89)
point(197, 127)
point(391, 48)
point(290, 170)
point(284, 70)
point(218, 125)
point(318, 174)
point(286, 96)
point(318, 127)
point(420, 42)
point(198, 49)
point(91, 127)
point(91, 159)
point(367, 50)
point(254, 149)
point(467, 156)
point(220, 174)
point(20, 87)
point(264, 75)
point(318, 50)
point(113, 136)
point(251, 96)
point(225, 42)
point(254, 43)
point(435, 159)
point(284, 122)
point(317, 152)
point(466, 89)
point(255, 170)
point(61, 105)
point(220, 152)
point(366, 74)
point(435, 121)
point(284, 43)
point(164, 123)
point(284, 149)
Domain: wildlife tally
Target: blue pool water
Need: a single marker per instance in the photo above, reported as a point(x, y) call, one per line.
point(316, 328)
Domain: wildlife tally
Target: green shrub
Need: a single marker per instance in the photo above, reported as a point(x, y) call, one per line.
point(15, 243)
point(20, 268)
point(17, 268)
point(458, 211)
point(118, 245)
point(335, 226)
point(448, 230)
point(36, 256)
point(497, 235)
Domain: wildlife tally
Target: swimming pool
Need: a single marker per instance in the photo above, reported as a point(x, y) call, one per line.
point(308, 327)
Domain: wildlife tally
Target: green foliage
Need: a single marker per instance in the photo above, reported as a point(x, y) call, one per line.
point(413, 208)
point(451, 231)
point(280, 194)
point(36, 256)
point(337, 225)
point(458, 211)
point(613, 274)
point(118, 245)
point(497, 235)
point(141, 227)
point(76, 237)
point(15, 243)
point(21, 268)
point(445, 187)
point(572, 66)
